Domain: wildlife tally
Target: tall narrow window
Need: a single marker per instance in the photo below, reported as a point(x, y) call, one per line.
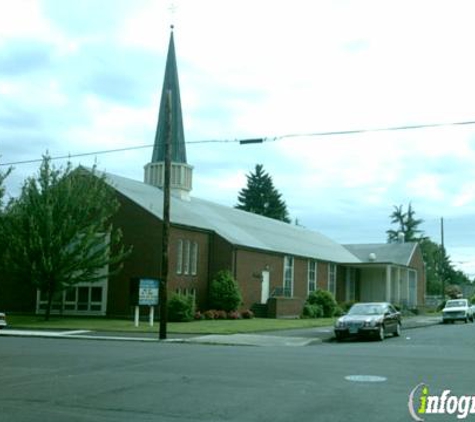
point(288, 276)
point(186, 259)
point(179, 257)
point(194, 258)
point(312, 276)
point(332, 279)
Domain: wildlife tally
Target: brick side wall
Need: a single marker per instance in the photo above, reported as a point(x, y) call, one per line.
point(221, 255)
point(249, 267)
point(250, 264)
point(144, 232)
point(280, 307)
point(300, 279)
point(185, 282)
point(322, 275)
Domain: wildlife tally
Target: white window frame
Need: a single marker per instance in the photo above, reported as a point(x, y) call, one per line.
point(179, 257)
point(186, 259)
point(288, 282)
point(311, 275)
point(194, 258)
point(332, 278)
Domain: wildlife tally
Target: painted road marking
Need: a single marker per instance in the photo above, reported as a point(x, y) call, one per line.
point(365, 378)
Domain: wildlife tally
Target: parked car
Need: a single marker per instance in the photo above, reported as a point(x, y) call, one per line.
point(457, 310)
point(369, 319)
point(3, 320)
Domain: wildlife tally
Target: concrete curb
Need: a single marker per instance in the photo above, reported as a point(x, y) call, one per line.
point(249, 340)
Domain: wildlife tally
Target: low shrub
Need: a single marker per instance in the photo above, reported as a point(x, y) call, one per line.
point(325, 299)
point(247, 314)
point(234, 315)
point(209, 314)
point(199, 316)
point(220, 315)
point(224, 293)
point(338, 312)
point(180, 308)
point(312, 311)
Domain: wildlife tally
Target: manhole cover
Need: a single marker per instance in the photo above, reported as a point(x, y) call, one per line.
point(365, 378)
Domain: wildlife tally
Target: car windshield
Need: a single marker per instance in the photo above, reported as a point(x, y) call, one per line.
point(366, 309)
point(455, 303)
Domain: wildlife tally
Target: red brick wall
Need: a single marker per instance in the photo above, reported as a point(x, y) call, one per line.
point(279, 307)
point(199, 282)
point(144, 231)
point(249, 267)
point(322, 275)
point(250, 264)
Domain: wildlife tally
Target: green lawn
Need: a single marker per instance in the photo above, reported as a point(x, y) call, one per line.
point(194, 327)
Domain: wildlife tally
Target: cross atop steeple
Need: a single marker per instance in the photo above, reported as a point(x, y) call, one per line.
point(181, 173)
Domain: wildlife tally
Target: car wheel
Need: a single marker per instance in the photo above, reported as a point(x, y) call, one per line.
point(380, 336)
point(339, 337)
point(466, 319)
point(397, 333)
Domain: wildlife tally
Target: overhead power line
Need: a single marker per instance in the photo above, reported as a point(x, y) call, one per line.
point(253, 140)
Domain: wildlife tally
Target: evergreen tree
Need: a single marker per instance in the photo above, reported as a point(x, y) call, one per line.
point(436, 263)
point(408, 225)
point(59, 231)
point(261, 197)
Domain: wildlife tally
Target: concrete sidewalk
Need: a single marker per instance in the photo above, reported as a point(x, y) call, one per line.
point(296, 338)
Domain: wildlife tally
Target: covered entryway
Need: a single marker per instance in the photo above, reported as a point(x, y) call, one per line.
point(389, 283)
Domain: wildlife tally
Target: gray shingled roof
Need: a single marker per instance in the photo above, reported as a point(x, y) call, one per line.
point(396, 253)
point(238, 227)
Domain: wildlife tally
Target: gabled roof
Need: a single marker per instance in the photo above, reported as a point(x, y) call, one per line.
point(238, 227)
point(170, 83)
point(395, 253)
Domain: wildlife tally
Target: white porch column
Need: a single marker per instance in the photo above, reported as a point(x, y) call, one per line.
point(388, 283)
point(398, 286)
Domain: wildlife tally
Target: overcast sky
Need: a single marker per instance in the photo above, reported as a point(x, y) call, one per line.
point(83, 76)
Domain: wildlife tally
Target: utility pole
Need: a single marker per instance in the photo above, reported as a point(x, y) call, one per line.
point(166, 221)
point(442, 269)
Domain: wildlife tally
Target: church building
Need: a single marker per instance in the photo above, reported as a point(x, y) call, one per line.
point(275, 264)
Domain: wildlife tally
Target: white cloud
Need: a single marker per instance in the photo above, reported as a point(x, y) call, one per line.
point(252, 69)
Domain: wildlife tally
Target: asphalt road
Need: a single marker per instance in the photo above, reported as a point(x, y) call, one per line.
point(57, 380)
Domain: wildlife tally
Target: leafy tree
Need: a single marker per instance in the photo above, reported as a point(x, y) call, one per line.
point(261, 197)
point(224, 292)
point(407, 224)
point(59, 231)
point(440, 271)
point(437, 264)
point(3, 243)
